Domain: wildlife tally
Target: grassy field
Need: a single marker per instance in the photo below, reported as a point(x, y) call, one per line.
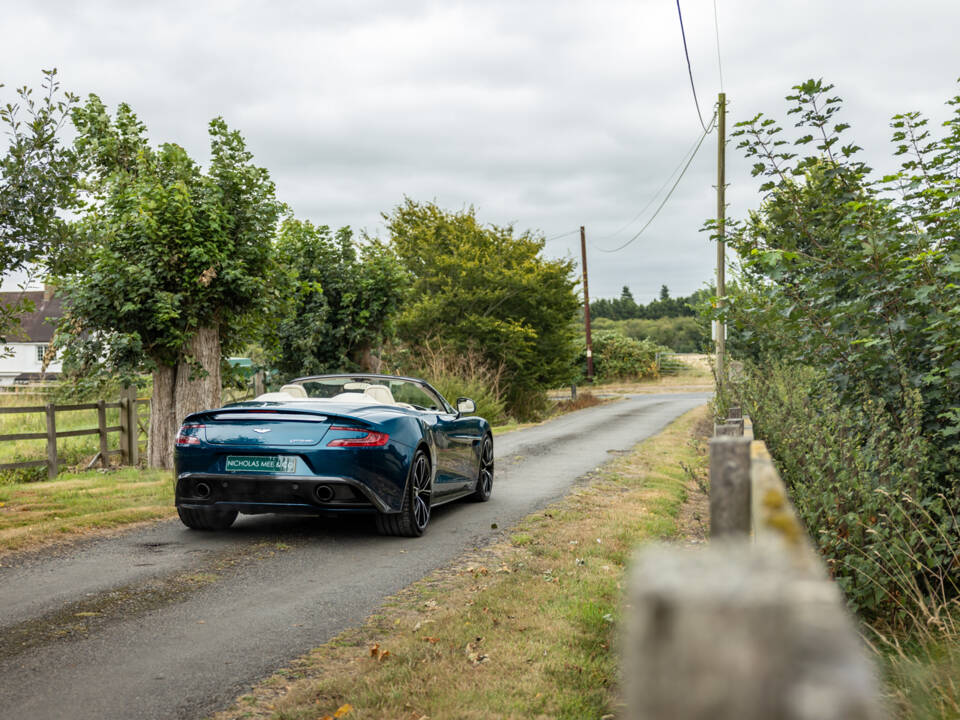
point(37, 513)
point(523, 629)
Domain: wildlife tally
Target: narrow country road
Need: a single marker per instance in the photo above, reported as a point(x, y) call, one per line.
point(163, 622)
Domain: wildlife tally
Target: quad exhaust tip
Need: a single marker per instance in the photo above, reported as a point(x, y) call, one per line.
point(324, 493)
point(202, 490)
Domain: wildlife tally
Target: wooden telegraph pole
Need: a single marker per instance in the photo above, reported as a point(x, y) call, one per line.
point(586, 303)
point(721, 231)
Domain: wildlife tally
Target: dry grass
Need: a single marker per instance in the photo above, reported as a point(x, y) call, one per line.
point(583, 400)
point(522, 629)
point(38, 513)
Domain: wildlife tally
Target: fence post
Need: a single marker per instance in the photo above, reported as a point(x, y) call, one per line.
point(133, 420)
point(102, 427)
point(729, 486)
point(51, 441)
point(735, 631)
point(124, 428)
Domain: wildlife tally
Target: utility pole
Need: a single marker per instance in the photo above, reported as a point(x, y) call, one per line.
point(586, 303)
point(721, 232)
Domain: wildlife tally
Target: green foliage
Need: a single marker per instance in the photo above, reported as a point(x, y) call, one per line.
point(165, 248)
point(617, 357)
point(680, 334)
point(850, 283)
point(844, 462)
point(37, 184)
point(854, 275)
point(483, 288)
point(343, 299)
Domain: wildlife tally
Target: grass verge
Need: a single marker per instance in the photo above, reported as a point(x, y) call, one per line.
point(525, 628)
point(38, 513)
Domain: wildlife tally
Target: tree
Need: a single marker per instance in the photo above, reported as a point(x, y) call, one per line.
point(664, 293)
point(37, 183)
point(344, 298)
point(174, 266)
point(853, 275)
point(483, 288)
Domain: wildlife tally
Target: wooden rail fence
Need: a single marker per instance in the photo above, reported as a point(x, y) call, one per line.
point(129, 428)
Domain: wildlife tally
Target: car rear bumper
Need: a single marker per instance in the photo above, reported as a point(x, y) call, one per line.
point(253, 494)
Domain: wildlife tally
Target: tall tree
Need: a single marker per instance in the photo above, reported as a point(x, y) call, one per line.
point(37, 183)
point(175, 265)
point(487, 289)
point(344, 298)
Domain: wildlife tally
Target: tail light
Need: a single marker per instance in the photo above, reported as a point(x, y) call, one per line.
point(368, 439)
point(190, 434)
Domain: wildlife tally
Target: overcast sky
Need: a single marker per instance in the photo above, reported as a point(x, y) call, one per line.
point(545, 114)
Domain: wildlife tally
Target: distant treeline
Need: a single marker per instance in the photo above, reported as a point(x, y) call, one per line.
point(626, 308)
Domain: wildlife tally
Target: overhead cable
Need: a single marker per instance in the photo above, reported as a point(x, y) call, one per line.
point(653, 197)
point(706, 131)
point(561, 235)
point(686, 54)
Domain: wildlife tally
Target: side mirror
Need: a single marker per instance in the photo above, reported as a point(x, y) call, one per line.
point(465, 406)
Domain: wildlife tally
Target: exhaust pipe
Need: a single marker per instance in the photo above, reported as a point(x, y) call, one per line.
point(201, 490)
point(324, 493)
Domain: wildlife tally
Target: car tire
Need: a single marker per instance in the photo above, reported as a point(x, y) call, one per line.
point(484, 486)
point(206, 518)
point(414, 513)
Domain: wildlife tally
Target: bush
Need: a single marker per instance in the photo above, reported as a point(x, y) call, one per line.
point(863, 483)
point(617, 357)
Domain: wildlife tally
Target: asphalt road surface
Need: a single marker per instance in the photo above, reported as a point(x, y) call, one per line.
point(163, 622)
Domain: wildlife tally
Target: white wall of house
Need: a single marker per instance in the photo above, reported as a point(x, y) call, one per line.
point(24, 358)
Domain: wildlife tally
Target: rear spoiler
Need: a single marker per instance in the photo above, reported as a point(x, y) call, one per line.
point(267, 412)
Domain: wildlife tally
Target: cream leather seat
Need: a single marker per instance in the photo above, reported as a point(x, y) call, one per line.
point(297, 391)
point(380, 394)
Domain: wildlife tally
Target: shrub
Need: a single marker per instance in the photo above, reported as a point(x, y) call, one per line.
point(617, 357)
point(864, 485)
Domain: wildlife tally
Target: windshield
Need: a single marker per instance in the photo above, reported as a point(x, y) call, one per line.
point(385, 390)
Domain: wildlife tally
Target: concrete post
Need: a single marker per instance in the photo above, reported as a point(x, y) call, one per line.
point(735, 631)
point(729, 486)
point(728, 427)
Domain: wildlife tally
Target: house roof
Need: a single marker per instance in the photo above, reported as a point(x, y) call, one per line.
point(36, 326)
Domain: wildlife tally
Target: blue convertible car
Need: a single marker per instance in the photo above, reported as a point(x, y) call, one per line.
point(379, 444)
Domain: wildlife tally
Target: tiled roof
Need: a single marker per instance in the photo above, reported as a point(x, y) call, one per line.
point(36, 326)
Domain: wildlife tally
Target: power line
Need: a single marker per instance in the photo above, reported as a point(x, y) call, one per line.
point(686, 54)
point(653, 197)
point(561, 235)
point(706, 131)
point(716, 30)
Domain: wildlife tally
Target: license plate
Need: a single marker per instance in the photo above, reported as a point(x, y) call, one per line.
point(261, 463)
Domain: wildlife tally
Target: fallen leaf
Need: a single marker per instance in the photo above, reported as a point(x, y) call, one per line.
point(385, 654)
point(431, 639)
point(343, 710)
point(374, 649)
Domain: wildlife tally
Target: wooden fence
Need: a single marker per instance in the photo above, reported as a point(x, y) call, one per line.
point(749, 627)
point(129, 428)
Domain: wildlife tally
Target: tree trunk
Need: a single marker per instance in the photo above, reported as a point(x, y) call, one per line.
point(181, 390)
point(198, 389)
point(163, 425)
